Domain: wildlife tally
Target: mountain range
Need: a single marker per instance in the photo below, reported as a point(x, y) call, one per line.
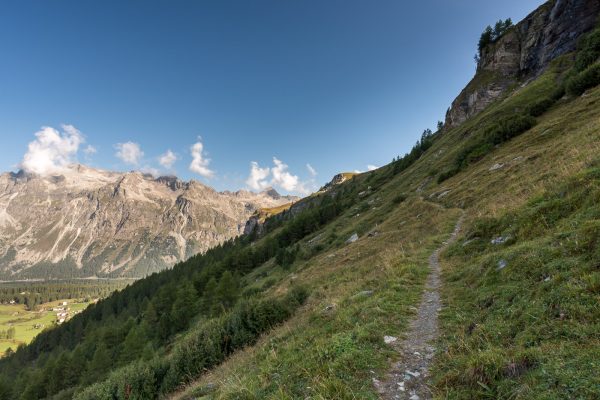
point(87, 222)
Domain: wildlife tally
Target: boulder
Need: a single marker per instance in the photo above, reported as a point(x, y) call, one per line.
point(353, 238)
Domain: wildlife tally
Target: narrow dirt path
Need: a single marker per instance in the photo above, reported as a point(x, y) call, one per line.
point(408, 378)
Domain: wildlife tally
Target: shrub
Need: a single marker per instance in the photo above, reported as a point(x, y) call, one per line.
point(540, 106)
point(509, 127)
point(589, 51)
point(399, 198)
point(448, 174)
point(472, 154)
point(584, 80)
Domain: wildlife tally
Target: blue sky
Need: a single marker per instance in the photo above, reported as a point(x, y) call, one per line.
point(339, 85)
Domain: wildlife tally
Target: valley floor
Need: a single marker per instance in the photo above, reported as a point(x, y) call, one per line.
point(28, 324)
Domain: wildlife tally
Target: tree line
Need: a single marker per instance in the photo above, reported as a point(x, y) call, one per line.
point(491, 35)
point(32, 294)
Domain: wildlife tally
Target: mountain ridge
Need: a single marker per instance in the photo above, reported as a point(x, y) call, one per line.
point(103, 223)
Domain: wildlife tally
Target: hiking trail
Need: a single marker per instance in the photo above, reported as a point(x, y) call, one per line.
point(408, 377)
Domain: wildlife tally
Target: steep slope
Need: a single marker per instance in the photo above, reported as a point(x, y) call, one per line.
point(523, 53)
point(89, 222)
point(312, 305)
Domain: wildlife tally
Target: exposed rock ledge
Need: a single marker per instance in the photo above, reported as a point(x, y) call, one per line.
point(524, 52)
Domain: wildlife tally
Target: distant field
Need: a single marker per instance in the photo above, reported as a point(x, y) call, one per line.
point(28, 324)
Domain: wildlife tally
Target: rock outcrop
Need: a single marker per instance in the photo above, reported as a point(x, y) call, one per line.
point(337, 179)
point(87, 222)
point(523, 52)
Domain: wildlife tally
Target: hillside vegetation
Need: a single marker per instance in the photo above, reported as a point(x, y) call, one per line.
point(301, 309)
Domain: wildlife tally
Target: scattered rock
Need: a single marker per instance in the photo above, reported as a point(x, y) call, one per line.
point(501, 264)
point(352, 238)
point(329, 307)
point(423, 184)
point(315, 239)
point(373, 234)
point(467, 242)
point(364, 293)
point(547, 279)
point(443, 194)
point(496, 166)
point(413, 374)
point(389, 339)
point(500, 239)
point(414, 397)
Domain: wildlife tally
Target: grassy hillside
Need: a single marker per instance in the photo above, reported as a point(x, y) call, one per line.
point(301, 310)
point(507, 333)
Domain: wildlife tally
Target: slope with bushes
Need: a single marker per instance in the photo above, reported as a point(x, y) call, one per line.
point(300, 309)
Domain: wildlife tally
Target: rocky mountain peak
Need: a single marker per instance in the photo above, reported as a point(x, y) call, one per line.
point(172, 182)
point(523, 53)
point(271, 193)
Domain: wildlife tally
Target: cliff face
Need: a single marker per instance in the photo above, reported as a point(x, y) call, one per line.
point(523, 53)
point(89, 222)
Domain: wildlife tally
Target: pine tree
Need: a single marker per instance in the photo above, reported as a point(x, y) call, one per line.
point(184, 307)
point(209, 295)
point(99, 364)
point(133, 345)
point(486, 38)
point(227, 290)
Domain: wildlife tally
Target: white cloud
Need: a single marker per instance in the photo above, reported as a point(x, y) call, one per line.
point(168, 159)
point(279, 176)
point(199, 163)
point(52, 151)
point(311, 170)
point(146, 169)
point(258, 177)
point(89, 150)
point(282, 178)
point(372, 167)
point(129, 152)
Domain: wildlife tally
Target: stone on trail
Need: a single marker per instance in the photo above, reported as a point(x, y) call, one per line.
point(389, 339)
